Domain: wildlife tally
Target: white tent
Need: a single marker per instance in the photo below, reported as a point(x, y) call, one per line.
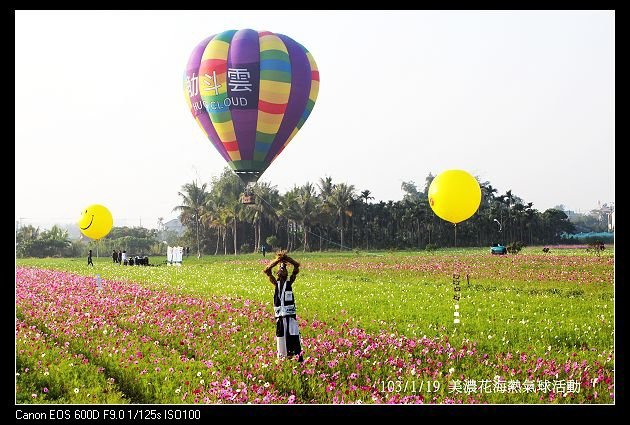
point(174, 255)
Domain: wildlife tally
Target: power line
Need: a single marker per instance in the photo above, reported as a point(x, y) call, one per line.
point(308, 231)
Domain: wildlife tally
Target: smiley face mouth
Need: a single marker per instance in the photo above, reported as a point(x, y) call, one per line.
point(85, 228)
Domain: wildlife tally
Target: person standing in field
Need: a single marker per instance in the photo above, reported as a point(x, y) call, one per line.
point(114, 256)
point(287, 332)
point(90, 258)
point(120, 257)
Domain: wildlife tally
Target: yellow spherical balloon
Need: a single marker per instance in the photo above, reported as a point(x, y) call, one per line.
point(454, 195)
point(96, 221)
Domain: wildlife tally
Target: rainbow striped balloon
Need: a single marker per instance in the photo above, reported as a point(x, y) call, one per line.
point(250, 92)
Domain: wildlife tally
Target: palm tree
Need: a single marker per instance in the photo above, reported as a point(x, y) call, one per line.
point(365, 195)
point(327, 215)
point(307, 209)
point(325, 187)
point(210, 218)
point(226, 217)
point(194, 198)
point(267, 200)
point(226, 190)
point(341, 199)
point(507, 200)
point(289, 210)
point(530, 214)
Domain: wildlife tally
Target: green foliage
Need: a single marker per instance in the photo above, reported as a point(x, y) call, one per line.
point(515, 247)
point(135, 232)
point(134, 240)
point(411, 192)
point(430, 247)
point(332, 216)
point(273, 242)
point(49, 243)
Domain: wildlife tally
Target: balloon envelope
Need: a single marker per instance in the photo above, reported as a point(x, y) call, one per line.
point(454, 195)
point(96, 221)
point(250, 92)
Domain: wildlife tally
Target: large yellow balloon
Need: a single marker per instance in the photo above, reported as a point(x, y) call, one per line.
point(96, 221)
point(454, 195)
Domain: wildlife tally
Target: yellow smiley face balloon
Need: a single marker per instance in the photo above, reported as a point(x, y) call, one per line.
point(96, 221)
point(454, 195)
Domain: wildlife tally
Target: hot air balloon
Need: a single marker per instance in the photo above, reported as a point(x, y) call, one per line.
point(250, 92)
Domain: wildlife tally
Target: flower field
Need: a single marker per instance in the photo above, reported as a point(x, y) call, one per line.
point(375, 328)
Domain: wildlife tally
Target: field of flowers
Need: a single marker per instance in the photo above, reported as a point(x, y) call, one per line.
point(376, 328)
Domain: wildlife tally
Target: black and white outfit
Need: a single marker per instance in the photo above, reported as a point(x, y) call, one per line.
point(287, 332)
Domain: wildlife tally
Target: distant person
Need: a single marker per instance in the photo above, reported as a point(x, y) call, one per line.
point(124, 257)
point(114, 256)
point(120, 257)
point(187, 251)
point(263, 249)
point(90, 258)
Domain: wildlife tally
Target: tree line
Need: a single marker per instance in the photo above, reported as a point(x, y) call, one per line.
point(31, 242)
point(328, 215)
point(320, 216)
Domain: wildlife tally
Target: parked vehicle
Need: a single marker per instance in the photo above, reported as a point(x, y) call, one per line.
point(498, 249)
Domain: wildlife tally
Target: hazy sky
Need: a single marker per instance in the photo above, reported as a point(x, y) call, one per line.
point(523, 99)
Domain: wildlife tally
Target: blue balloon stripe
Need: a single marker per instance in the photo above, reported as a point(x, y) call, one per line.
point(275, 65)
point(262, 147)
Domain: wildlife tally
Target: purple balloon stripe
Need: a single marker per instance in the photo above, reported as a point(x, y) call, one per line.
point(298, 96)
point(244, 52)
point(195, 57)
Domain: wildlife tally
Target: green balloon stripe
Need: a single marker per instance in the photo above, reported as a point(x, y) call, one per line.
point(274, 55)
point(283, 77)
point(264, 137)
point(226, 36)
point(247, 164)
point(220, 117)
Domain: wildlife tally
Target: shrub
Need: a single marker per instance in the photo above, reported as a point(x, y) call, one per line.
point(515, 247)
point(272, 241)
point(431, 247)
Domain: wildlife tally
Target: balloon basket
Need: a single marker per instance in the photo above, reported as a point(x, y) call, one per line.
point(248, 197)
